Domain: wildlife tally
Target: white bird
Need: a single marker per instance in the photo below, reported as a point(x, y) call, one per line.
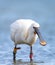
point(25, 31)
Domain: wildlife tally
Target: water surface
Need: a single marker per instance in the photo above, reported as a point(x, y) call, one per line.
point(42, 11)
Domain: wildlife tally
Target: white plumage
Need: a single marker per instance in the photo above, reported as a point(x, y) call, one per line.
point(22, 31)
point(25, 31)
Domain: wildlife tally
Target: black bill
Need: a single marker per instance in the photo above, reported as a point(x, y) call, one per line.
point(42, 42)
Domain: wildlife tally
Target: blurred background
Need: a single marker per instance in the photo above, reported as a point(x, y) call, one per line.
point(42, 11)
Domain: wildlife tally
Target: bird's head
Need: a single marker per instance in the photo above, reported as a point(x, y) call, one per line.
point(36, 31)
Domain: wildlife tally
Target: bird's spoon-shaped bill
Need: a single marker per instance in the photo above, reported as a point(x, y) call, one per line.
point(43, 43)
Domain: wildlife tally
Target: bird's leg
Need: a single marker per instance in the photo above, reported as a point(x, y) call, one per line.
point(31, 54)
point(14, 53)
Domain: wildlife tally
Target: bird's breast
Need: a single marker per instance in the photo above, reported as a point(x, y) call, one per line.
point(31, 39)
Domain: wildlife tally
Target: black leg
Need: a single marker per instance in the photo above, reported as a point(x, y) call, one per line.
point(31, 54)
point(14, 53)
point(14, 56)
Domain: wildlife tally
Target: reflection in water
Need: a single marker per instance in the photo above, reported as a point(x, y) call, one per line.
point(20, 62)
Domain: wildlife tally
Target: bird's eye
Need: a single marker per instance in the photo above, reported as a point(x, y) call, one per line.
point(33, 27)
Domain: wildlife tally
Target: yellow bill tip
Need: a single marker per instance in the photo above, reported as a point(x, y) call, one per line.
point(43, 43)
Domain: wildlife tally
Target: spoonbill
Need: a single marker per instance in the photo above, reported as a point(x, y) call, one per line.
point(25, 31)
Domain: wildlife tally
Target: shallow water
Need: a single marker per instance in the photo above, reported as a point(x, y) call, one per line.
point(42, 11)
